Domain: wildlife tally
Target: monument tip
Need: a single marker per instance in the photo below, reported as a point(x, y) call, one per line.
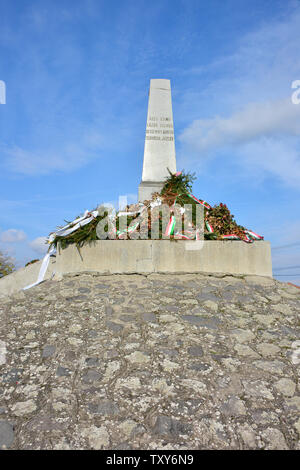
point(163, 83)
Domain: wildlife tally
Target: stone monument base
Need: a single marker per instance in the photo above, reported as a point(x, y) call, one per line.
point(146, 188)
point(150, 256)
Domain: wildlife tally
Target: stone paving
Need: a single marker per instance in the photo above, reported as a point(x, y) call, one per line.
point(151, 362)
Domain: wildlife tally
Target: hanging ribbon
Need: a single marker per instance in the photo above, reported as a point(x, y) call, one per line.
point(181, 235)
point(209, 227)
point(130, 229)
point(73, 226)
point(170, 227)
point(231, 236)
point(200, 201)
point(254, 235)
point(43, 269)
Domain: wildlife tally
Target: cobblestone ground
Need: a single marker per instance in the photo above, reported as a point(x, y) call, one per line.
point(151, 362)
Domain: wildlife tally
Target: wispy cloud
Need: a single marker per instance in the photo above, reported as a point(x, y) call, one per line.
point(68, 157)
point(39, 245)
point(256, 120)
point(12, 235)
point(20, 248)
point(251, 113)
point(276, 157)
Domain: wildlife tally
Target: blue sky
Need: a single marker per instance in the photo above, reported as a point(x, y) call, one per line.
point(72, 129)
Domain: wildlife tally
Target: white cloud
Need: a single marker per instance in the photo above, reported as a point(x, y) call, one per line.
point(255, 120)
point(263, 139)
point(68, 157)
point(21, 253)
point(39, 245)
point(272, 157)
point(12, 235)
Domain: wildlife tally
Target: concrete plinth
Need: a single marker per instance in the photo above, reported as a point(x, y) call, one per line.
point(146, 188)
point(150, 256)
point(24, 276)
point(166, 256)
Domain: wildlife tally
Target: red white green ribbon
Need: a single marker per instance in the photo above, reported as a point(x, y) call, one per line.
point(173, 206)
point(170, 227)
point(198, 234)
point(247, 238)
point(209, 227)
point(130, 229)
point(181, 235)
point(254, 235)
point(231, 236)
point(188, 235)
point(43, 269)
point(200, 201)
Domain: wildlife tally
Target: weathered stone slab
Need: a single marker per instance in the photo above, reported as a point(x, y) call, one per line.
point(165, 256)
point(154, 256)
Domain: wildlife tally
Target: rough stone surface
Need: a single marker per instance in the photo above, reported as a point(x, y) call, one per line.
point(156, 361)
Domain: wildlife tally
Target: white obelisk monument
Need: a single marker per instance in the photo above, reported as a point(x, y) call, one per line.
point(159, 151)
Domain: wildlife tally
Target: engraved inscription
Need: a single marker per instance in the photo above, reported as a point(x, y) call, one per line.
point(154, 137)
point(152, 131)
point(160, 125)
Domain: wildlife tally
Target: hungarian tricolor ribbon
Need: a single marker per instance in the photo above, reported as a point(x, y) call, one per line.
point(231, 236)
point(170, 227)
point(200, 201)
point(181, 235)
point(209, 227)
point(130, 229)
point(254, 235)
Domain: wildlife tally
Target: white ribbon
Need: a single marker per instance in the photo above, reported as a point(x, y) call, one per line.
point(155, 203)
point(120, 214)
point(79, 222)
point(62, 232)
